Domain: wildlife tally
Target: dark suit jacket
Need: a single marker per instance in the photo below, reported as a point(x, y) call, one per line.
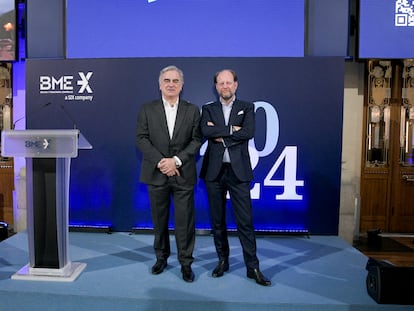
point(154, 141)
point(242, 114)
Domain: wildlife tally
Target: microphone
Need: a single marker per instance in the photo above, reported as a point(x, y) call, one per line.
point(83, 142)
point(69, 116)
point(34, 113)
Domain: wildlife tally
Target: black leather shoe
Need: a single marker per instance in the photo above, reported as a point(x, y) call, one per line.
point(188, 274)
point(159, 266)
point(222, 266)
point(257, 275)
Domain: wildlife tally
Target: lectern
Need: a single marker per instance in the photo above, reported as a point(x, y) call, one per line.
point(48, 155)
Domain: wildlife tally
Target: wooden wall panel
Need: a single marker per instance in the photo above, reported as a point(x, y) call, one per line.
point(6, 191)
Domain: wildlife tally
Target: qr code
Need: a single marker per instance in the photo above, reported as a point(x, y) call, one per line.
point(404, 13)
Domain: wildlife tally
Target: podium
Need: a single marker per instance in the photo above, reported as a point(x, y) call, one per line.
point(48, 155)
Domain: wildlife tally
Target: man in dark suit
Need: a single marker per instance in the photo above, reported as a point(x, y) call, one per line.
point(229, 124)
point(169, 137)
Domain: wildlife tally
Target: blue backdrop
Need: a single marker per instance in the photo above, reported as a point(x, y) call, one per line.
point(296, 153)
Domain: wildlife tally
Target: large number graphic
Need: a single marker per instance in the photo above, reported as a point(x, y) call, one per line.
point(289, 156)
point(289, 182)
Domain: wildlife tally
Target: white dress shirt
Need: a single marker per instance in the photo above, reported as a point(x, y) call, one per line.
point(226, 112)
point(171, 114)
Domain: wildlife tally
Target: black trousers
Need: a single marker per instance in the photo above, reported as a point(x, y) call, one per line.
point(183, 199)
point(242, 207)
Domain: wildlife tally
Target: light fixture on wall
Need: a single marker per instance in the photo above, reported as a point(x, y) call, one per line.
point(407, 114)
point(5, 96)
point(4, 74)
point(378, 125)
point(6, 114)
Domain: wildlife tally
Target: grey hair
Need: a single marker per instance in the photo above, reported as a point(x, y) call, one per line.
point(170, 68)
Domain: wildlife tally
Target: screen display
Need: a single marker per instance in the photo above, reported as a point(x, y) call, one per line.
point(7, 30)
point(386, 29)
point(185, 28)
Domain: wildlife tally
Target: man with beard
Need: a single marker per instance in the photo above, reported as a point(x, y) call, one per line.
point(229, 124)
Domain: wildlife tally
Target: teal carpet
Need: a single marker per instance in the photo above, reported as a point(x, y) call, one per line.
point(308, 273)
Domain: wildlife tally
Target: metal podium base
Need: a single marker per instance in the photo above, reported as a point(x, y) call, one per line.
point(69, 273)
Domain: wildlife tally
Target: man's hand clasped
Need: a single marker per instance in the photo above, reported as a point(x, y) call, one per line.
point(167, 167)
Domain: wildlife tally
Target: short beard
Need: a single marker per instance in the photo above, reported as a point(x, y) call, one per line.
point(226, 98)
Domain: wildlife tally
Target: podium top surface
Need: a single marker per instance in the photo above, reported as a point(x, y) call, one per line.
point(42, 143)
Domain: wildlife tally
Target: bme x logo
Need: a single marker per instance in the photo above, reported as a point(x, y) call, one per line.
point(84, 82)
point(65, 83)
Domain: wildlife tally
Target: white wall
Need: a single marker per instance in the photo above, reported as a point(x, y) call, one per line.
point(351, 151)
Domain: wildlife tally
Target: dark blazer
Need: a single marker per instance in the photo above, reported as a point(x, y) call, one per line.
point(154, 141)
point(242, 114)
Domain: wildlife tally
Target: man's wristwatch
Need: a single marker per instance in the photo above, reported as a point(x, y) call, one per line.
point(177, 162)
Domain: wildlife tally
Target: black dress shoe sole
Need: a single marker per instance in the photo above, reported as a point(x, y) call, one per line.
point(188, 276)
point(219, 272)
point(259, 280)
point(158, 270)
point(222, 266)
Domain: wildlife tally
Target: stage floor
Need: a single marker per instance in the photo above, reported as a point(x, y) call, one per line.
point(308, 273)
